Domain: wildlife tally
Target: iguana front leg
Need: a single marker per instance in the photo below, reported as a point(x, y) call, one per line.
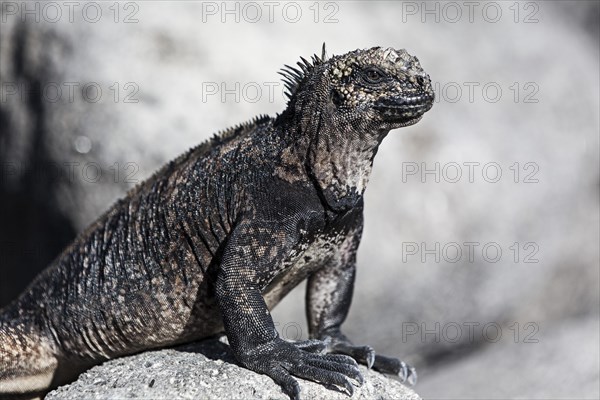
point(328, 298)
point(252, 254)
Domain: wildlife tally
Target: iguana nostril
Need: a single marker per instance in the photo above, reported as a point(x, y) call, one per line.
point(420, 80)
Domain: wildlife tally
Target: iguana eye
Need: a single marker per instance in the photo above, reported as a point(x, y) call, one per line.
point(373, 75)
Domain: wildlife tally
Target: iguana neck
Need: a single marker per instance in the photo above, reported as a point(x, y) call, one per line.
point(337, 155)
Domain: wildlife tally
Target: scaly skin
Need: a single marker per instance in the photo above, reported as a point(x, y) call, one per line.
point(217, 237)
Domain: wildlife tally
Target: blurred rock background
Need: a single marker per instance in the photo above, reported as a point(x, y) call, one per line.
point(95, 96)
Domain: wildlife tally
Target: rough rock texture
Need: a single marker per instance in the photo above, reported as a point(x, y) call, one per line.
point(204, 370)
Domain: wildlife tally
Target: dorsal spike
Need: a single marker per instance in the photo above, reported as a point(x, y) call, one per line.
point(289, 85)
point(323, 53)
point(293, 76)
point(303, 67)
point(306, 62)
point(285, 75)
point(294, 71)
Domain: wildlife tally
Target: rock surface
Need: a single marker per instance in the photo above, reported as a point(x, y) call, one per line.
point(205, 370)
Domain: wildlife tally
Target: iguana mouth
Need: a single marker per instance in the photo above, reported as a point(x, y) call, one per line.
point(405, 110)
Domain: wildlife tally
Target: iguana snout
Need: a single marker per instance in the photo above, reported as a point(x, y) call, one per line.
point(389, 82)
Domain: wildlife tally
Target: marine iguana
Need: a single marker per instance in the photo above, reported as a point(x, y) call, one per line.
point(215, 239)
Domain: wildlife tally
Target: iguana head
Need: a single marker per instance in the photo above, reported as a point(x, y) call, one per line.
point(384, 87)
point(341, 108)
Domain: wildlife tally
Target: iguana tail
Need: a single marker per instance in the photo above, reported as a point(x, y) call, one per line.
point(27, 360)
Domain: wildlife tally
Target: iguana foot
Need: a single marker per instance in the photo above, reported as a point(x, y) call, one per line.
point(391, 365)
point(313, 346)
point(282, 360)
point(366, 355)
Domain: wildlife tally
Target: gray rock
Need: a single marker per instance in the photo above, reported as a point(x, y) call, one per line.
point(205, 370)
